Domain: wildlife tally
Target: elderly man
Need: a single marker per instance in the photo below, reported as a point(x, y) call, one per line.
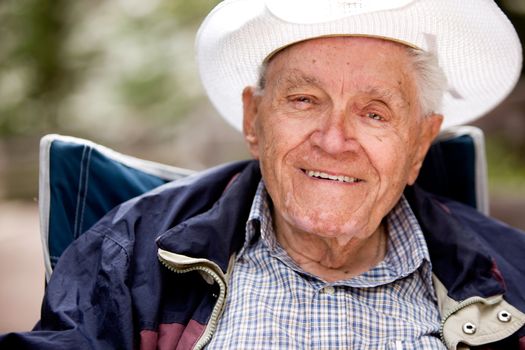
point(319, 243)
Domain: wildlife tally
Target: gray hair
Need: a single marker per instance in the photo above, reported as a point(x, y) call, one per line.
point(430, 80)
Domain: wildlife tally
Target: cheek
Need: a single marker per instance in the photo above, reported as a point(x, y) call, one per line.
point(273, 146)
point(279, 136)
point(390, 160)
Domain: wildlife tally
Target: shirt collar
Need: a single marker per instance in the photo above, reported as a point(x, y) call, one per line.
point(260, 220)
point(407, 248)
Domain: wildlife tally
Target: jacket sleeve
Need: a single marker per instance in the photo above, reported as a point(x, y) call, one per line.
point(87, 303)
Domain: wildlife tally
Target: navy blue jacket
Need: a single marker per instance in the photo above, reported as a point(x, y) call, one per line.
point(152, 273)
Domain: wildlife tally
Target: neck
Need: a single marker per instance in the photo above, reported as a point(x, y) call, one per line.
point(329, 258)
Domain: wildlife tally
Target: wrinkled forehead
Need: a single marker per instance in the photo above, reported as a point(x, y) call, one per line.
point(369, 54)
point(370, 66)
point(356, 38)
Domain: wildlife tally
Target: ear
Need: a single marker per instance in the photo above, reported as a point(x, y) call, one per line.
point(250, 102)
point(429, 130)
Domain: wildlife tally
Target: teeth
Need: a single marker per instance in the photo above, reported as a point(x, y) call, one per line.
point(339, 178)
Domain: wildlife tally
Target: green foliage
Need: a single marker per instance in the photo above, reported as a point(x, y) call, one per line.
point(75, 66)
point(189, 13)
point(144, 88)
point(33, 76)
point(506, 167)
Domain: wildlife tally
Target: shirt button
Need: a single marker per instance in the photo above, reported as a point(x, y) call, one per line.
point(329, 290)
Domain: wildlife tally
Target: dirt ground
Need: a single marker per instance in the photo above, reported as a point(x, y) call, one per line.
point(21, 266)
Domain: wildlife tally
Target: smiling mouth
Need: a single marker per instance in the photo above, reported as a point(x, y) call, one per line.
point(324, 176)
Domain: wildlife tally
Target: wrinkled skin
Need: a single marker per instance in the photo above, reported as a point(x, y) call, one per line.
point(345, 107)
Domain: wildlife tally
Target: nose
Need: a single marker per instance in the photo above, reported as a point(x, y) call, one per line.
point(335, 134)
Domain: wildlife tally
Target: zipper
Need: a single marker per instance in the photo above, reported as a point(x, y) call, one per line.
point(217, 309)
point(458, 307)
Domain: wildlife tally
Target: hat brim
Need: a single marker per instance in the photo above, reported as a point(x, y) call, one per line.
point(476, 45)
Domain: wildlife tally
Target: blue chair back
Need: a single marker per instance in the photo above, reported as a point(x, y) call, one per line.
point(455, 167)
point(80, 181)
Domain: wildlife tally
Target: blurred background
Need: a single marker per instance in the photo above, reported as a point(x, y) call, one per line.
point(122, 73)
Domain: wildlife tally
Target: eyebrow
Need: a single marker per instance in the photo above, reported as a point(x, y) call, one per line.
point(297, 79)
point(388, 95)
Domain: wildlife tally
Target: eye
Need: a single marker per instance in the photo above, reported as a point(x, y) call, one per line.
point(302, 101)
point(374, 116)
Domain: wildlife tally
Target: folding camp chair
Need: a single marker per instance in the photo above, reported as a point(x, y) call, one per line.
point(80, 181)
point(456, 167)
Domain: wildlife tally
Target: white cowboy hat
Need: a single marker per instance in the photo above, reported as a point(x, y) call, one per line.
point(475, 43)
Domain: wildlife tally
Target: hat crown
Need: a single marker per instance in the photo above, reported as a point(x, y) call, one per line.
point(318, 11)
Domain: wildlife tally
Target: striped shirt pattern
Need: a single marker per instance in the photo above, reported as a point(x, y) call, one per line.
point(273, 304)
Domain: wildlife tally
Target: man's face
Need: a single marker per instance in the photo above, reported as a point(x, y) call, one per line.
point(338, 132)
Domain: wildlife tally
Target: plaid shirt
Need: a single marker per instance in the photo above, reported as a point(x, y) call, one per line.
point(273, 304)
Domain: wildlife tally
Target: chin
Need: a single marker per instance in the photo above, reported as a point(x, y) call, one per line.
point(329, 228)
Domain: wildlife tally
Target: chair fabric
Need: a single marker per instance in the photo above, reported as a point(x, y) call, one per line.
point(80, 181)
point(456, 167)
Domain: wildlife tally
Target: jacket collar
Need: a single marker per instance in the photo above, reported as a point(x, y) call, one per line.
point(219, 230)
point(459, 259)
